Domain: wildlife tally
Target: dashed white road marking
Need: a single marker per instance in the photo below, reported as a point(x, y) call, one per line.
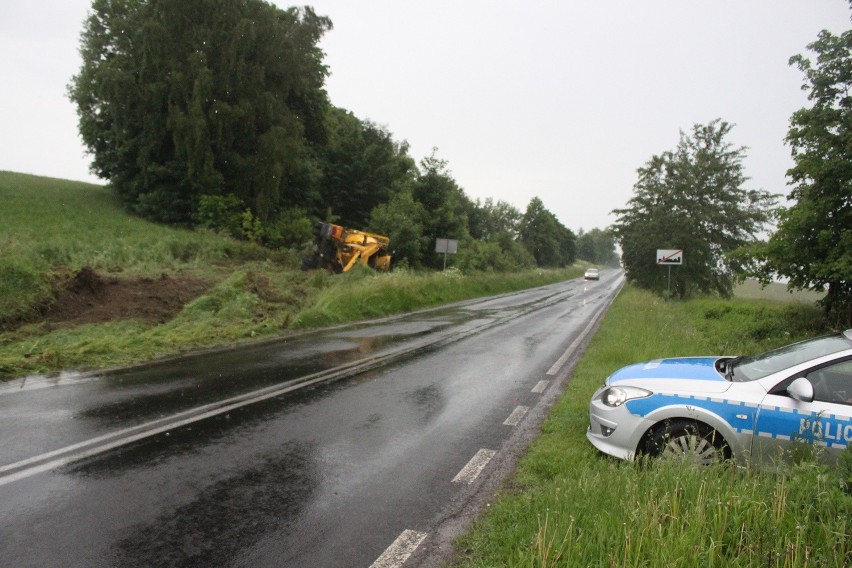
point(517, 415)
point(474, 467)
point(540, 387)
point(398, 552)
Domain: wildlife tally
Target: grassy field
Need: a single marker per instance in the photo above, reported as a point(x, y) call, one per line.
point(751, 290)
point(570, 506)
point(50, 229)
point(49, 225)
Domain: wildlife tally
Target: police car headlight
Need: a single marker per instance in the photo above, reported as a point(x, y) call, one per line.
point(616, 396)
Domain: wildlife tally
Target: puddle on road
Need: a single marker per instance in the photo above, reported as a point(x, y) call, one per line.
point(49, 380)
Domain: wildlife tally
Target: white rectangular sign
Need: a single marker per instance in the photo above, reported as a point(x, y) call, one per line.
point(670, 256)
point(449, 246)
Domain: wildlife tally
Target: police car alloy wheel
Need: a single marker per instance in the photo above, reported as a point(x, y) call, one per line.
point(689, 441)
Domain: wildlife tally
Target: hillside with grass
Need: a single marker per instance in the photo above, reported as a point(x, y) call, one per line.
point(84, 284)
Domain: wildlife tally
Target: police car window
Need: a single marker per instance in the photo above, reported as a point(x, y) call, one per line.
point(759, 366)
point(833, 383)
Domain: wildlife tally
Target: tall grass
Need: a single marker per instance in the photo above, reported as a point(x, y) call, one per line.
point(570, 506)
point(253, 300)
point(49, 225)
point(365, 293)
point(58, 223)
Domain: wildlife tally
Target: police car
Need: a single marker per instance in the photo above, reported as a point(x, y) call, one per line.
point(749, 409)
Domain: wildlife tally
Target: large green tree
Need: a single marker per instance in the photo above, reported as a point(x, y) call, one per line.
point(494, 243)
point(813, 244)
point(445, 206)
point(597, 246)
point(179, 99)
point(401, 219)
point(489, 219)
point(549, 241)
point(362, 167)
point(692, 198)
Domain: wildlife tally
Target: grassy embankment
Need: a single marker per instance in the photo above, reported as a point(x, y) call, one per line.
point(50, 228)
point(570, 506)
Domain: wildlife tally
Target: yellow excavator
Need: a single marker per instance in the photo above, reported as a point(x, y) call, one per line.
point(339, 249)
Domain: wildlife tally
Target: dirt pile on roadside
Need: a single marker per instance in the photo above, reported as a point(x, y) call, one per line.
point(89, 297)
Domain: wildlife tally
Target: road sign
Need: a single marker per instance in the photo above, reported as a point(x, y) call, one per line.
point(672, 257)
point(447, 246)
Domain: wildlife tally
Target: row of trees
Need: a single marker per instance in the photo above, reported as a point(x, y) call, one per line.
point(493, 235)
point(693, 198)
point(214, 113)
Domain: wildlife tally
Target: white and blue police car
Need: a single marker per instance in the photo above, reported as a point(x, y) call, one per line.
point(749, 409)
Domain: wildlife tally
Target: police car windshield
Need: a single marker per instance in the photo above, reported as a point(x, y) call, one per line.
point(759, 366)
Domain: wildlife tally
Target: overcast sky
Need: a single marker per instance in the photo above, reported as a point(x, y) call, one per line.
point(563, 100)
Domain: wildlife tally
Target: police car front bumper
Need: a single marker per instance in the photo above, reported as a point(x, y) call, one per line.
point(614, 430)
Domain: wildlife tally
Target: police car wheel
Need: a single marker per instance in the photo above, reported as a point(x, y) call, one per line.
point(687, 440)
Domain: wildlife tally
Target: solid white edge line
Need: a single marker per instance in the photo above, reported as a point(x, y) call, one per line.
point(474, 467)
point(146, 430)
point(397, 553)
point(564, 358)
point(517, 415)
point(540, 387)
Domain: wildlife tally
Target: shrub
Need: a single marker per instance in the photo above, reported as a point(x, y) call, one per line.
point(502, 255)
point(290, 229)
point(220, 213)
point(22, 289)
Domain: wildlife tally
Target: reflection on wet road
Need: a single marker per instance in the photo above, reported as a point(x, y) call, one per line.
point(317, 449)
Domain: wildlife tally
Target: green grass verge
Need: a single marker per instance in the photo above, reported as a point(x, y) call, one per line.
point(256, 300)
point(570, 506)
point(364, 293)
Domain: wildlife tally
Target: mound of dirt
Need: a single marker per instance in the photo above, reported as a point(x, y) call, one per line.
point(89, 297)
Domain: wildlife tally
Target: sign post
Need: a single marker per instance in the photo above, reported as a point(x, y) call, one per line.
point(670, 257)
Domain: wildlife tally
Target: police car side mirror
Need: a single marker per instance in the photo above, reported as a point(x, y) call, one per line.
point(801, 389)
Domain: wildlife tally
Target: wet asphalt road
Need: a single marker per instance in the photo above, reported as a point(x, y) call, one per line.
point(353, 446)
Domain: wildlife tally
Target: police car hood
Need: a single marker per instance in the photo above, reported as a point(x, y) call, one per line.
point(699, 372)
